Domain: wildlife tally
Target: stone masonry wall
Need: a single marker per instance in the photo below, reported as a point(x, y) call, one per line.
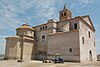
point(66, 44)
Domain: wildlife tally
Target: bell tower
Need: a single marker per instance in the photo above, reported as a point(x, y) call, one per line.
point(65, 14)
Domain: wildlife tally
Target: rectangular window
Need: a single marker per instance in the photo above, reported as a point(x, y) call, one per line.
point(89, 33)
point(40, 28)
point(75, 25)
point(70, 50)
point(43, 36)
point(83, 40)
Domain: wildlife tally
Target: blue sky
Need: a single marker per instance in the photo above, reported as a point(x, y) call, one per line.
point(13, 13)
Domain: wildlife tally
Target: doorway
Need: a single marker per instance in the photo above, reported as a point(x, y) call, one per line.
point(90, 55)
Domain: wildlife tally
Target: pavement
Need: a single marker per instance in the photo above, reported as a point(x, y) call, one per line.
point(13, 63)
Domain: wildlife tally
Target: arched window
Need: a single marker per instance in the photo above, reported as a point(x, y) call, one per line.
point(75, 25)
point(64, 14)
point(45, 27)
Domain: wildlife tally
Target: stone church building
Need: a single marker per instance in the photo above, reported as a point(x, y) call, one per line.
point(71, 38)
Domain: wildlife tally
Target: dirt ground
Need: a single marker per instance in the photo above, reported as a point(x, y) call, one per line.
point(12, 63)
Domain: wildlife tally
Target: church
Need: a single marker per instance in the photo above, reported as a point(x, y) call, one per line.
point(71, 38)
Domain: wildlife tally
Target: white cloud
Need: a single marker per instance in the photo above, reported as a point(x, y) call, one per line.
point(77, 4)
point(7, 15)
point(86, 1)
point(10, 9)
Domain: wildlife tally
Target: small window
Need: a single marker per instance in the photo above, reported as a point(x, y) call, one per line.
point(89, 33)
point(64, 14)
point(40, 28)
point(43, 36)
point(45, 27)
point(70, 50)
point(94, 44)
point(83, 40)
point(75, 25)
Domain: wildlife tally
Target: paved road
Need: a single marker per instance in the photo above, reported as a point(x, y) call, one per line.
point(12, 63)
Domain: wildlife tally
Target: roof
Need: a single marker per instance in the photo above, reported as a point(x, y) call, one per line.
point(81, 18)
point(89, 20)
point(14, 37)
point(25, 26)
point(65, 9)
point(78, 17)
point(49, 21)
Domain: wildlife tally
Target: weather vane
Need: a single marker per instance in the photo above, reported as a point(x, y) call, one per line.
point(26, 21)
